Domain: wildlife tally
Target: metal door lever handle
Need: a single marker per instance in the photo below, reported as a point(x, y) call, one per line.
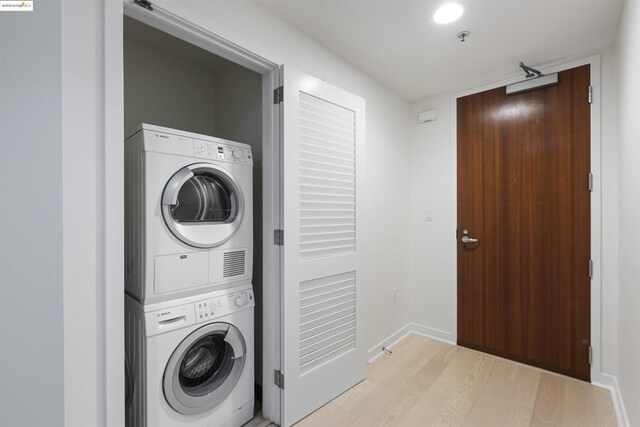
point(467, 239)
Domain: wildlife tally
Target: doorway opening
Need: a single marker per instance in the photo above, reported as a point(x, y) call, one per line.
point(180, 76)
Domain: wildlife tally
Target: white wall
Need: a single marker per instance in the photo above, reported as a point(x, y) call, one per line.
point(609, 213)
point(629, 205)
point(31, 195)
point(432, 243)
point(92, 225)
point(387, 151)
point(165, 90)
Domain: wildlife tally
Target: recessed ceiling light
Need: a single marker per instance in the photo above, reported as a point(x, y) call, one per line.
point(447, 13)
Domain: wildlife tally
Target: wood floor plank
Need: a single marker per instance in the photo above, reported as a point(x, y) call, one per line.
point(387, 387)
point(430, 383)
point(523, 398)
point(507, 400)
point(357, 394)
point(466, 393)
point(450, 397)
point(603, 405)
point(392, 413)
point(549, 409)
point(320, 418)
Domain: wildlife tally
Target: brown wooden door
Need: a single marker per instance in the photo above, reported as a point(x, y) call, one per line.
point(523, 167)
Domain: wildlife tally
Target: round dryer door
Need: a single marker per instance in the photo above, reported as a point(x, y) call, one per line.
point(204, 369)
point(202, 205)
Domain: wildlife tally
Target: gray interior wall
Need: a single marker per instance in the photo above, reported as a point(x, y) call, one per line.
point(239, 118)
point(31, 268)
point(166, 90)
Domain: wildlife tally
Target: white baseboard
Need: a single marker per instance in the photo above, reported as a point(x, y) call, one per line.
point(393, 339)
point(432, 333)
point(611, 383)
point(403, 332)
point(603, 381)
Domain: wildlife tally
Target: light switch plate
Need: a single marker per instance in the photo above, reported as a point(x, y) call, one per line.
point(428, 215)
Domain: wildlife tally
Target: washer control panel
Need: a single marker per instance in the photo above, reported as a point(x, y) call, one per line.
point(223, 305)
point(218, 151)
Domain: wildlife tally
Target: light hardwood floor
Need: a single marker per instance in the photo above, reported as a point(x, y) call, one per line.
point(430, 383)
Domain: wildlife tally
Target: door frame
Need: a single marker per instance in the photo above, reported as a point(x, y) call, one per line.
point(170, 18)
point(597, 376)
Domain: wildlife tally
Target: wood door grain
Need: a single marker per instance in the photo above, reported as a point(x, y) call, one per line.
point(523, 165)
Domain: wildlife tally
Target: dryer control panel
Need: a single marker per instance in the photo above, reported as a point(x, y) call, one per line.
point(220, 306)
point(217, 151)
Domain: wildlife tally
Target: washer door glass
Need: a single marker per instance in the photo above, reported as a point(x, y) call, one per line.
point(202, 205)
point(205, 368)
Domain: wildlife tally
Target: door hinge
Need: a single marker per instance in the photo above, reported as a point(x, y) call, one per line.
point(144, 3)
point(590, 355)
point(590, 94)
point(278, 95)
point(590, 181)
point(278, 379)
point(278, 237)
point(590, 269)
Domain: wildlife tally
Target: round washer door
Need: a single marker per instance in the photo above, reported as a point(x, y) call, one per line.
point(202, 205)
point(204, 369)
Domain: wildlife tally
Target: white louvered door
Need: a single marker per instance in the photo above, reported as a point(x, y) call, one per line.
point(323, 343)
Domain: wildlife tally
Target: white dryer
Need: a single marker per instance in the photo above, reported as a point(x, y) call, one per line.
point(188, 213)
point(190, 361)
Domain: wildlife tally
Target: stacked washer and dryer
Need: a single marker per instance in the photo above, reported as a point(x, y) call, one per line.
point(189, 300)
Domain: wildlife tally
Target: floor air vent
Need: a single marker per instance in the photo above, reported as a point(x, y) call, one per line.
point(234, 263)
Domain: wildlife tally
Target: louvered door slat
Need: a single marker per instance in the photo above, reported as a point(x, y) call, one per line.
point(322, 133)
point(328, 325)
point(310, 323)
point(316, 189)
point(332, 130)
point(327, 297)
point(327, 166)
point(325, 109)
point(321, 146)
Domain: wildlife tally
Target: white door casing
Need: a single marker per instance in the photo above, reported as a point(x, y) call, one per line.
point(322, 321)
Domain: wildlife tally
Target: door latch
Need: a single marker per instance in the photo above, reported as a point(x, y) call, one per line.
point(466, 239)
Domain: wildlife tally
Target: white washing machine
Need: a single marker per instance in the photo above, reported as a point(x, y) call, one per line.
point(188, 213)
point(190, 361)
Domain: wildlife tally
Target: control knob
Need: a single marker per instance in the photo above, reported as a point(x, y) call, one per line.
point(237, 154)
point(241, 300)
